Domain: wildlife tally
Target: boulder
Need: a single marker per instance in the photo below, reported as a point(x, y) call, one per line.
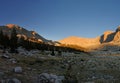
point(14, 80)
point(5, 56)
point(50, 78)
point(18, 69)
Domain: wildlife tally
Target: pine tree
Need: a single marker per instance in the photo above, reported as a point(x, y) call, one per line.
point(13, 41)
point(1, 37)
point(5, 42)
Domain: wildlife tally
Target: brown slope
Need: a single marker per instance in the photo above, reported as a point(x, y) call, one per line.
point(82, 42)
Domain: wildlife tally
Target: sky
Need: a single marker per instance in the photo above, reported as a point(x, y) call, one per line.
point(58, 19)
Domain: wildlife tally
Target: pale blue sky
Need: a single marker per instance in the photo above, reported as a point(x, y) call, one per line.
point(57, 19)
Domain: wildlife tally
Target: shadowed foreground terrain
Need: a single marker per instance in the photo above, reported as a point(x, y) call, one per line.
point(73, 68)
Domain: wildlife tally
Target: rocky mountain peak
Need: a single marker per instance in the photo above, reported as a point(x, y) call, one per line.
point(12, 26)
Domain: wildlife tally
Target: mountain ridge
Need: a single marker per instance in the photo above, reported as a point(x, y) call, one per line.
point(107, 38)
point(26, 34)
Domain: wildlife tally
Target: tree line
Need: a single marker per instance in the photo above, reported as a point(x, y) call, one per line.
point(13, 42)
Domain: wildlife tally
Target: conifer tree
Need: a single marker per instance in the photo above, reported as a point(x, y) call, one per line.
point(13, 41)
point(6, 41)
point(1, 37)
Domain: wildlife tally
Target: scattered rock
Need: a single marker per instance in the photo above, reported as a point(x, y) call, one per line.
point(23, 51)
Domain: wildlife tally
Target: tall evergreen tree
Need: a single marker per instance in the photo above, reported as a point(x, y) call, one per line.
point(1, 37)
point(5, 42)
point(13, 41)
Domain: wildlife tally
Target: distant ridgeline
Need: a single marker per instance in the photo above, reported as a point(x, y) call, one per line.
point(13, 36)
point(108, 39)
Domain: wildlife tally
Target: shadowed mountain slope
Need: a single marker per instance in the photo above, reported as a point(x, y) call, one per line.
point(26, 34)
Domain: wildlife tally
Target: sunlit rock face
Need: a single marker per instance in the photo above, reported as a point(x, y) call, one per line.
point(111, 36)
point(117, 36)
point(107, 36)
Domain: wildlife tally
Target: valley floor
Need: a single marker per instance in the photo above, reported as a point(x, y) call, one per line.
point(74, 68)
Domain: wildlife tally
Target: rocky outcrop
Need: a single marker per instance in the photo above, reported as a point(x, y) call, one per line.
point(111, 37)
point(107, 36)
